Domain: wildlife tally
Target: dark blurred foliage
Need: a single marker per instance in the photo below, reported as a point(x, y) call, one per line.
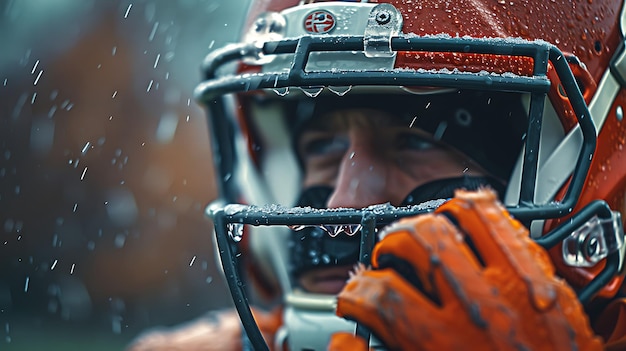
point(105, 169)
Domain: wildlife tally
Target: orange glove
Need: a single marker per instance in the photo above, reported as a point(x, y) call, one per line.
point(478, 284)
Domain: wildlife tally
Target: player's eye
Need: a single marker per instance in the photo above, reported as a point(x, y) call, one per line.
point(412, 141)
point(325, 146)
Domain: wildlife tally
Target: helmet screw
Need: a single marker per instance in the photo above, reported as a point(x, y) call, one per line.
point(383, 17)
point(592, 247)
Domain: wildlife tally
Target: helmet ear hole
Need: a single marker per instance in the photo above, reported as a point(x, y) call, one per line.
point(586, 84)
point(584, 80)
point(562, 93)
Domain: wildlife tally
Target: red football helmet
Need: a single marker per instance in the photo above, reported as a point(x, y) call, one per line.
point(556, 71)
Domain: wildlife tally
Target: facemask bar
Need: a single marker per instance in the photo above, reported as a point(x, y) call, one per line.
point(538, 85)
point(229, 219)
point(212, 89)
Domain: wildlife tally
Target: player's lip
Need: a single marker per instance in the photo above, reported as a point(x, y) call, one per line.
point(330, 281)
point(331, 286)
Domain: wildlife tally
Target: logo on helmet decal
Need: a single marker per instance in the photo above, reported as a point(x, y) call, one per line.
point(319, 22)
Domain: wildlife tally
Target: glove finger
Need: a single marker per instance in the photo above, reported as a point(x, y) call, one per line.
point(450, 276)
point(474, 287)
point(404, 319)
point(393, 310)
point(503, 243)
point(521, 270)
point(444, 268)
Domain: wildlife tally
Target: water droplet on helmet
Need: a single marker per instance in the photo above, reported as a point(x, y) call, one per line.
point(542, 296)
point(336, 229)
point(352, 229)
point(235, 231)
point(297, 227)
point(230, 209)
point(340, 91)
point(281, 91)
point(312, 91)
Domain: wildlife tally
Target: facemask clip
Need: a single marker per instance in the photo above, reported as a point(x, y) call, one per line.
point(384, 22)
point(594, 240)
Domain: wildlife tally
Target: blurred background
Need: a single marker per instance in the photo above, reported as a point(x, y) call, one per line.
point(105, 169)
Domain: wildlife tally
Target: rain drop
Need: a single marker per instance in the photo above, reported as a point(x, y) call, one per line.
point(156, 61)
point(53, 109)
point(153, 32)
point(34, 67)
point(85, 148)
point(340, 91)
point(312, 91)
point(120, 240)
point(235, 231)
point(281, 91)
point(116, 324)
point(334, 230)
point(38, 76)
point(128, 10)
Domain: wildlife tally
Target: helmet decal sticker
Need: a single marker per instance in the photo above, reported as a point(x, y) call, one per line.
point(319, 22)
